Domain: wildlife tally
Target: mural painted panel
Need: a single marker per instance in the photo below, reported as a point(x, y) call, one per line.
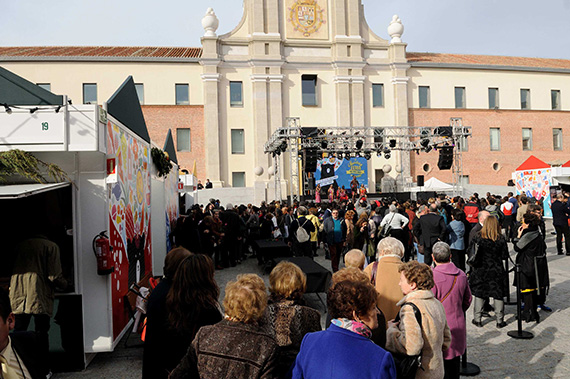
point(535, 183)
point(129, 217)
point(171, 198)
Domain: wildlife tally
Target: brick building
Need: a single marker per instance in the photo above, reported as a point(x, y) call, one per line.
point(223, 100)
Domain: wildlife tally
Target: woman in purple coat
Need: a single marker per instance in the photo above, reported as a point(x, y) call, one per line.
point(452, 289)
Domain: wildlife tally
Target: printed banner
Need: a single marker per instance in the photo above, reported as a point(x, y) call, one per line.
point(340, 171)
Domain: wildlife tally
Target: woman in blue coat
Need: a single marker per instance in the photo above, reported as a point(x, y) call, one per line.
point(345, 350)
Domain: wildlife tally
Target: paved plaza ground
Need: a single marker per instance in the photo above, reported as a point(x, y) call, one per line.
point(547, 355)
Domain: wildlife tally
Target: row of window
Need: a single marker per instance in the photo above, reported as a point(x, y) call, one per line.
point(495, 139)
point(309, 94)
point(184, 141)
point(182, 93)
point(493, 96)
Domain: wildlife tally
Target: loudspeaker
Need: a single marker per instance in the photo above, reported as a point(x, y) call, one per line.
point(310, 157)
point(445, 158)
point(420, 180)
point(311, 183)
point(444, 131)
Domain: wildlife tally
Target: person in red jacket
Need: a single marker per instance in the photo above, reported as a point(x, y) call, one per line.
point(471, 211)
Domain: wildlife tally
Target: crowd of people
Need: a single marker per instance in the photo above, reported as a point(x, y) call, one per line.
point(396, 309)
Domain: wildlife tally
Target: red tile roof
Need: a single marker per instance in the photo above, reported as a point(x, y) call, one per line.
point(487, 60)
point(101, 52)
point(196, 52)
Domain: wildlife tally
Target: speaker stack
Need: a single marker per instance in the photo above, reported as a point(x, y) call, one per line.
point(445, 158)
point(420, 180)
point(310, 157)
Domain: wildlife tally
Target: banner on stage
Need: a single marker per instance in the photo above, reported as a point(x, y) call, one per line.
point(340, 171)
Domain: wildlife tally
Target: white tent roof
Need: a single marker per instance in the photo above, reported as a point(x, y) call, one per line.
point(433, 184)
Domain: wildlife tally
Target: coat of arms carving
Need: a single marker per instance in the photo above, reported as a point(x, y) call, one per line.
point(306, 16)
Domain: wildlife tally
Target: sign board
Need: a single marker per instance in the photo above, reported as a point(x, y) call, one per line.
point(43, 127)
point(180, 187)
point(111, 170)
point(327, 181)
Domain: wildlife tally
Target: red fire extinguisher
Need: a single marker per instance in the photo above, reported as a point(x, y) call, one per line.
point(103, 251)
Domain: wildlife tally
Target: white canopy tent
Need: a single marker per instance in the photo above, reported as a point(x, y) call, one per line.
point(433, 184)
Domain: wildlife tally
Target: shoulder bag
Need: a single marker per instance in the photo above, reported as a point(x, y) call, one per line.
point(408, 365)
point(385, 231)
point(472, 254)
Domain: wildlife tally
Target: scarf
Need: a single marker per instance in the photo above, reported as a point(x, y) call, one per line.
point(527, 238)
point(352, 325)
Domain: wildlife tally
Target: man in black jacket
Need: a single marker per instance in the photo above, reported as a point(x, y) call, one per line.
point(19, 353)
point(560, 214)
point(429, 229)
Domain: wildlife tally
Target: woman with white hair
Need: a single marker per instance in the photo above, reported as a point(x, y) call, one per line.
point(384, 275)
point(396, 223)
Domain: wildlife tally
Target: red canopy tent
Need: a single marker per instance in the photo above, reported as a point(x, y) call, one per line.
point(567, 164)
point(533, 163)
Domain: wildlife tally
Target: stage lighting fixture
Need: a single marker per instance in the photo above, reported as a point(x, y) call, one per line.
point(378, 153)
point(359, 144)
point(424, 142)
point(367, 155)
point(392, 143)
point(284, 146)
point(324, 144)
point(387, 155)
point(427, 149)
point(339, 155)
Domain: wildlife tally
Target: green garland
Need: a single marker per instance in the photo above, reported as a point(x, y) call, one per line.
point(161, 160)
point(18, 162)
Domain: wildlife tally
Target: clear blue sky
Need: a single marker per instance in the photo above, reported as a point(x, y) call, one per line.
point(527, 28)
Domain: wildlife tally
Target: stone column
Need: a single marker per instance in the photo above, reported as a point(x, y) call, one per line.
point(210, 79)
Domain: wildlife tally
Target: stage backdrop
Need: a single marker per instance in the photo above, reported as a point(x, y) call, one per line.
point(340, 171)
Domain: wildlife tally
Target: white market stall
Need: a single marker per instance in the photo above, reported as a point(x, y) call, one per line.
point(113, 186)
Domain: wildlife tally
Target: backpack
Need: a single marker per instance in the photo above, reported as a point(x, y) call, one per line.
point(498, 214)
point(301, 233)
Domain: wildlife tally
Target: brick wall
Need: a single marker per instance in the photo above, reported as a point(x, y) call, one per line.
point(160, 118)
point(478, 161)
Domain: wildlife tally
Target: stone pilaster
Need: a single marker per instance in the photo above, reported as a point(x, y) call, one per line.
point(210, 77)
point(399, 67)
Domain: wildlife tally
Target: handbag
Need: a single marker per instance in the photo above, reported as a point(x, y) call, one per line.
point(385, 232)
point(408, 365)
point(473, 254)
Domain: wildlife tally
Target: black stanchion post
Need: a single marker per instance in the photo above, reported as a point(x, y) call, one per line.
point(508, 302)
point(519, 333)
point(468, 369)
